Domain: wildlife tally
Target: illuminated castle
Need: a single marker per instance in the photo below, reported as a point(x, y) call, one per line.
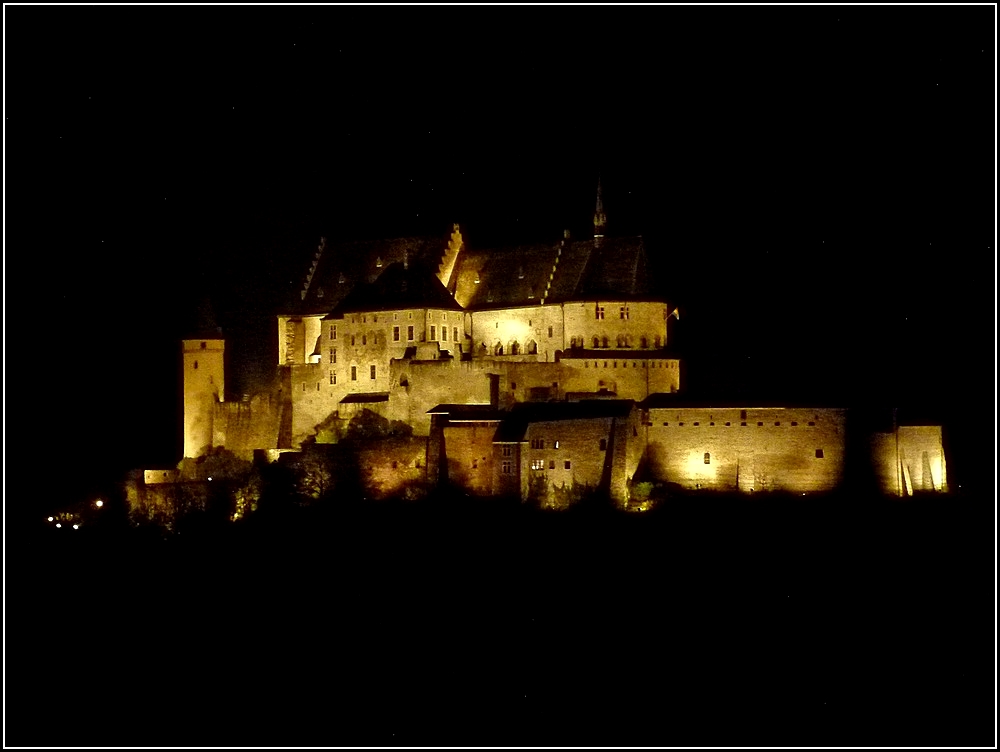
point(529, 370)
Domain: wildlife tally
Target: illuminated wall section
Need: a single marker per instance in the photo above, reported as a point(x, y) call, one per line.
point(204, 385)
point(747, 449)
point(910, 460)
point(533, 333)
point(613, 324)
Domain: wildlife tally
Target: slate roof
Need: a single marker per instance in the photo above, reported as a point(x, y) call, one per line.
point(558, 272)
point(399, 286)
point(360, 262)
point(514, 427)
point(366, 397)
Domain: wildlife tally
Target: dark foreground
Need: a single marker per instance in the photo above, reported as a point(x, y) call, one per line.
point(717, 622)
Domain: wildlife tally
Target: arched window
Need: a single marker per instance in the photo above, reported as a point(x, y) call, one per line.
point(597, 342)
point(604, 341)
point(621, 340)
point(643, 342)
point(498, 349)
point(656, 342)
point(515, 348)
point(532, 347)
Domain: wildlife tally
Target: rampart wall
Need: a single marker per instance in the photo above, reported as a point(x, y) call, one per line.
point(752, 450)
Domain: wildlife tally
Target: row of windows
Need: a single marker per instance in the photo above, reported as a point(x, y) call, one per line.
point(622, 340)
point(540, 464)
point(354, 376)
point(742, 423)
point(635, 364)
point(540, 444)
point(622, 312)
point(708, 456)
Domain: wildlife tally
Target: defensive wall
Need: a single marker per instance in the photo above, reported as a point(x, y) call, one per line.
point(747, 449)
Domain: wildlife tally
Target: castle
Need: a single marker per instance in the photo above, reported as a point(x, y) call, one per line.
point(537, 370)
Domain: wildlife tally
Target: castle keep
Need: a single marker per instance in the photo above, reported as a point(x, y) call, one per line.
point(541, 371)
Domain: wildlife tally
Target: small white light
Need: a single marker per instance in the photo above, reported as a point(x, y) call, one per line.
point(99, 503)
point(76, 527)
point(50, 519)
point(58, 525)
point(210, 477)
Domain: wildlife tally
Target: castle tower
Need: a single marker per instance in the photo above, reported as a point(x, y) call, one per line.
point(600, 221)
point(204, 382)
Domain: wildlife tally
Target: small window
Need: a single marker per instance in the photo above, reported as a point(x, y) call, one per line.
point(395, 464)
point(697, 423)
point(727, 423)
point(354, 373)
point(567, 465)
point(604, 445)
point(507, 467)
point(795, 422)
point(812, 423)
point(352, 339)
point(760, 423)
point(538, 464)
point(743, 422)
point(555, 444)
point(552, 464)
point(433, 332)
point(507, 451)
point(364, 339)
point(819, 454)
point(665, 423)
point(550, 332)
point(711, 423)
point(333, 377)
point(599, 312)
point(777, 422)
point(708, 458)
point(444, 334)
point(409, 333)
point(395, 334)
point(317, 386)
point(333, 332)
point(203, 345)
point(681, 423)
point(743, 414)
point(475, 464)
point(373, 372)
point(454, 333)
point(196, 365)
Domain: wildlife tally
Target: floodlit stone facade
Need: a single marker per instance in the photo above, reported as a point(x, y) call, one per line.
point(541, 371)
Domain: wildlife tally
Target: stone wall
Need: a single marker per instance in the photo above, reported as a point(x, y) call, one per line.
point(616, 324)
point(914, 463)
point(752, 449)
point(468, 453)
point(242, 427)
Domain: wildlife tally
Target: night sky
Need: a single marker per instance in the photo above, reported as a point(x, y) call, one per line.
point(815, 186)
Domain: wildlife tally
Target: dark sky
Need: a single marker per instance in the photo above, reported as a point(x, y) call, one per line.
point(816, 186)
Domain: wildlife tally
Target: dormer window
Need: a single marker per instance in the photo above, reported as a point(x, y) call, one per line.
point(341, 279)
point(378, 263)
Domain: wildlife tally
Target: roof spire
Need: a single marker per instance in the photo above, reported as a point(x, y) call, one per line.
point(600, 221)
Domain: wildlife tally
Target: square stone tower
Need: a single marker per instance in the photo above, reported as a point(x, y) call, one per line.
point(204, 385)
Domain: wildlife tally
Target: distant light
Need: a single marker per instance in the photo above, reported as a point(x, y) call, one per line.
point(76, 527)
point(50, 519)
point(58, 525)
point(210, 477)
point(99, 503)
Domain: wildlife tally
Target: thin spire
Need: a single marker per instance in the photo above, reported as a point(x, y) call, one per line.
point(600, 220)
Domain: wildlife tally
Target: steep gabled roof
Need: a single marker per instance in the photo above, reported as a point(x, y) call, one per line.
point(342, 266)
point(614, 268)
point(399, 286)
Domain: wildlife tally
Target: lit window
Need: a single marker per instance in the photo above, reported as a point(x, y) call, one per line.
point(538, 464)
point(354, 373)
point(599, 312)
point(555, 444)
